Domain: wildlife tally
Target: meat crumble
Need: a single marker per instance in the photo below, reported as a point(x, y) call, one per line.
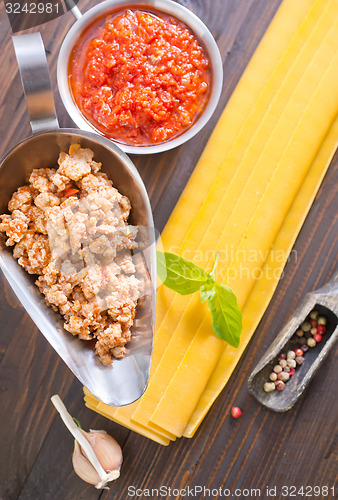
point(70, 227)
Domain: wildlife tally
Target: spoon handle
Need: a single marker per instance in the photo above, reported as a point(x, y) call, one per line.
point(73, 8)
point(32, 62)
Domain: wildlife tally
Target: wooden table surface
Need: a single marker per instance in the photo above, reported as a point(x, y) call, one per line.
point(258, 450)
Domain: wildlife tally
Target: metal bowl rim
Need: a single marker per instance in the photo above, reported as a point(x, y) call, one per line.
point(167, 6)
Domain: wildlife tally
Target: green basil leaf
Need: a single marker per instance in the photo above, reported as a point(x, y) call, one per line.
point(226, 316)
point(179, 274)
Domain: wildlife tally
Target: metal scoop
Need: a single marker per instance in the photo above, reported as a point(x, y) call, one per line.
point(323, 300)
point(124, 381)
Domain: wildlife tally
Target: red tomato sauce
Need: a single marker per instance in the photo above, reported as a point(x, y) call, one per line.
point(139, 77)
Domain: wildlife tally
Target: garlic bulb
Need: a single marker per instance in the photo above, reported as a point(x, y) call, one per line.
point(107, 451)
point(97, 457)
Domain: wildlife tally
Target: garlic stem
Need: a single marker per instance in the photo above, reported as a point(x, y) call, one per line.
point(83, 442)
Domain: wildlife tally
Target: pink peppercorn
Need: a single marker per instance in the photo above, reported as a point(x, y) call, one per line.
point(299, 352)
point(236, 412)
point(321, 329)
point(317, 337)
point(291, 372)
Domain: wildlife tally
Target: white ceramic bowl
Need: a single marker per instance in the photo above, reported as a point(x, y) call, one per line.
point(168, 7)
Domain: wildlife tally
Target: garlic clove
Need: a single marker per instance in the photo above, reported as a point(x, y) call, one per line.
point(85, 470)
point(108, 453)
point(83, 467)
point(107, 450)
point(85, 458)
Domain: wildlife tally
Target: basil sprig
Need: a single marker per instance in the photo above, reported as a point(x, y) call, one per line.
point(184, 277)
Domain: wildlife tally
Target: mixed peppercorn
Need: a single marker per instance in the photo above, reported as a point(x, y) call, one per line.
point(307, 336)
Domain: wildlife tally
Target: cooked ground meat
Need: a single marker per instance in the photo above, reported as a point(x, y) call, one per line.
point(69, 226)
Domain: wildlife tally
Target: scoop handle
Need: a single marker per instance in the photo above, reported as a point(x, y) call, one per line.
point(31, 56)
point(74, 9)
